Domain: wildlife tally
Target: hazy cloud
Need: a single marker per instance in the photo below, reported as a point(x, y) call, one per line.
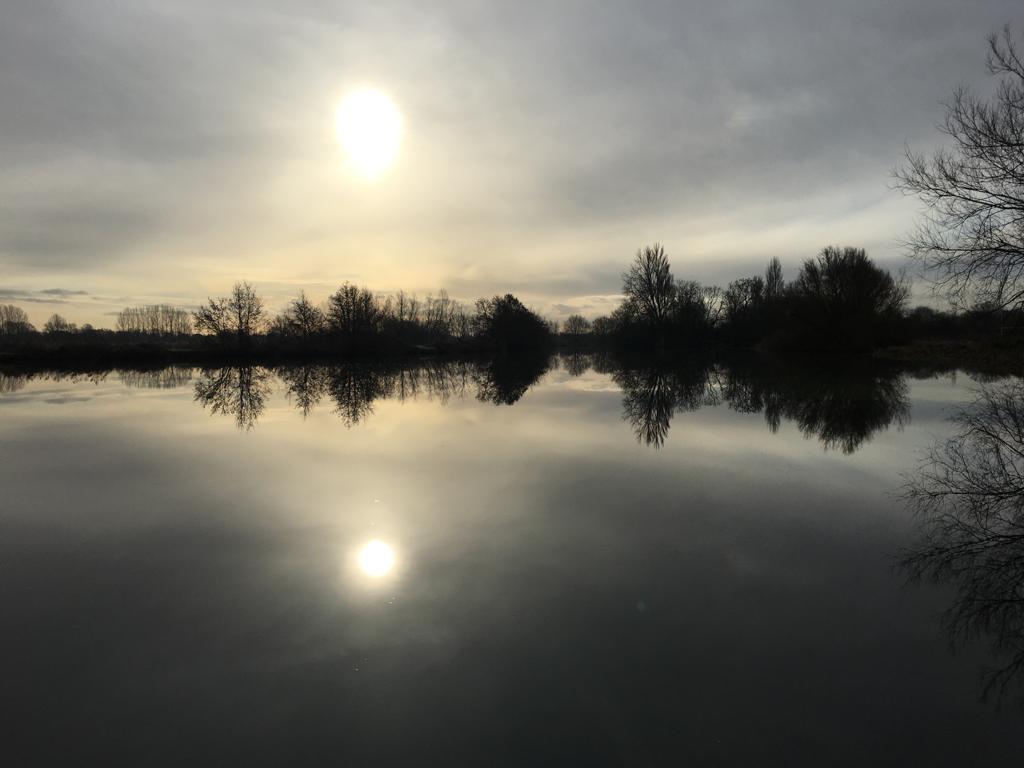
point(185, 145)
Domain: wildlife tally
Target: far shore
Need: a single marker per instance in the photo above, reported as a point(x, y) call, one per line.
point(993, 357)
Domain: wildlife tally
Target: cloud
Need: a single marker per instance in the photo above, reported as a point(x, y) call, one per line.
point(186, 145)
point(46, 296)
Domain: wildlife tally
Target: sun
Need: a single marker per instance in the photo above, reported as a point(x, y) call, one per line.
point(369, 128)
point(376, 559)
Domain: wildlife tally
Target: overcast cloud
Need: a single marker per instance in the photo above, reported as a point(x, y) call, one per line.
point(157, 151)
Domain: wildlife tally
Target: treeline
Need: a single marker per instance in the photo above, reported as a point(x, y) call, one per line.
point(155, 320)
point(352, 321)
point(355, 320)
point(839, 300)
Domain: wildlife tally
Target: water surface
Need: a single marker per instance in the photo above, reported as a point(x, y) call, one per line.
point(486, 565)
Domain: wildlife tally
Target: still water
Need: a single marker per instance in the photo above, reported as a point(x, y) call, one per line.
point(447, 564)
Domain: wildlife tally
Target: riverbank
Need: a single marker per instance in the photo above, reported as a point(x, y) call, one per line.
point(996, 356)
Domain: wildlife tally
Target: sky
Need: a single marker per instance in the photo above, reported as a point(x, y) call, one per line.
point(156, 152)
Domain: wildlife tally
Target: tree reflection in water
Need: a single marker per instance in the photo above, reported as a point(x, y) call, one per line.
point(504, 380)
point(161, 378)
point(305, 385)
point(11, 383)
point(353, 388)
point(842, 407)
point(968, 495)
point(239, 391)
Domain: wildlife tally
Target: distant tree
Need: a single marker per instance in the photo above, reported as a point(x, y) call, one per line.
point(441, 315)
point(602, 326)
point(353, 311)
point(13, 320)
point(774, 285)
point(648, 285)
point(407, 307)
point(504, 322)
point(844, 281)
point(304, 318)
point(57, 324)
point(844, 299)
point(696, 309)
point(743, 296)
point(972, 238)
point(576, 326)
point(154, 319)
point(241, 314)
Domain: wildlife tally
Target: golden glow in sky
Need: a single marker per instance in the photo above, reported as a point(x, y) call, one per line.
point(376, 559)
point(369, 128)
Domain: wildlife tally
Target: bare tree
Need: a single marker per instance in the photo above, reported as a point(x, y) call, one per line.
point(13, 320)
point(576, 326)
point(774, 285)
point(352, 310)
point(844, 282)
point(303, 317)
point(649, 286)
point(154, 319)
point(742, 296)
point(57, 324)
point(972, 237)
point(241, 314)
point(407, 307)
point(439, 314)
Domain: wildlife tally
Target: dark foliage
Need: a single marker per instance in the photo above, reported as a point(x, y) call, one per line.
point(502, 323)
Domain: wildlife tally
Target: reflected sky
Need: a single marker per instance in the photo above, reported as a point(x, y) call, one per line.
point(550, 589)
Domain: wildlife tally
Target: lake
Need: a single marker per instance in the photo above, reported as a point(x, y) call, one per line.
point(557, 562)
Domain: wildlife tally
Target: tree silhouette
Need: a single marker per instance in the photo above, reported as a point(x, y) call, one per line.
point(241, 314)
point(154, 320)
point(57, 324)
point(353, 311)
point(774, 285)
point(972, 238)
point(843, 298)
point(13, 321)
point(576, 326)
point(303, 318)
point(648, 285)
point(508, 326)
